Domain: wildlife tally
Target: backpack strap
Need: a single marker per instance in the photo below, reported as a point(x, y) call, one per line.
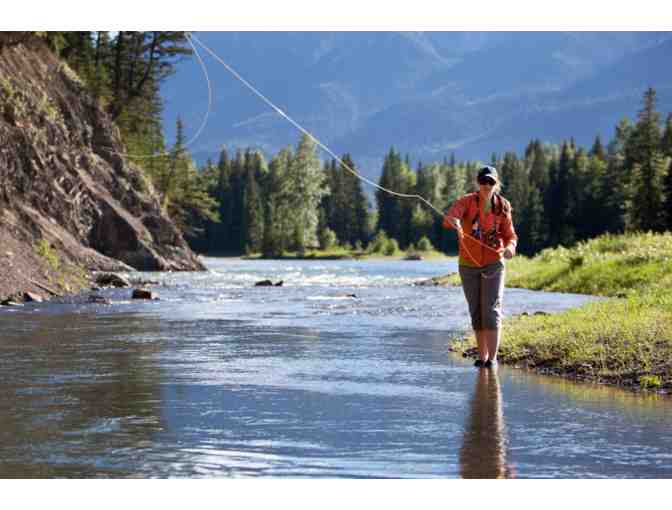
point(500, 205)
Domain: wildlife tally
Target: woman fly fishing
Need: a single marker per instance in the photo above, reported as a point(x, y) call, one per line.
point(486, 235)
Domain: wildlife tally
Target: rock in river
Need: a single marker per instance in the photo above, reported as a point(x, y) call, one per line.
point(144, 294)
point(268, 283)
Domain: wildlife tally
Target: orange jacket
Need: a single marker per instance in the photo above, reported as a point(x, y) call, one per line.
point(494, 229)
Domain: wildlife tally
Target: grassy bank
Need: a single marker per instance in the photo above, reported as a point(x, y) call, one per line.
point(624, 340)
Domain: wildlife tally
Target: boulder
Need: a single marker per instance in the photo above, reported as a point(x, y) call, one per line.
point(144, 294)
point(32, 297)
point(101, 300)
point(268, 283)
point(9, 302)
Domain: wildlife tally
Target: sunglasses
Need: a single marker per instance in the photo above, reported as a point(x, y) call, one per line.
point(487, 181)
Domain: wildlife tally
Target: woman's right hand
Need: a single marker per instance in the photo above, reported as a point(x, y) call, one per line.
point(457, 224)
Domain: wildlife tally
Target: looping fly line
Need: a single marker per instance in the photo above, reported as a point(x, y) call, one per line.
point(190, 38)
point(327, 149)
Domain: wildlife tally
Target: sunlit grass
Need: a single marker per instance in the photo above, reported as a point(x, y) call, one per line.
point(607, 266)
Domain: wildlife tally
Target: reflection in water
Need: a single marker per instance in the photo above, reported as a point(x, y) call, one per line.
point(483, 453)
point(595, 394)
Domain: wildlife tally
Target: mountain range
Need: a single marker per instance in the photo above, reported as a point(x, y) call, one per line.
point(427, 94)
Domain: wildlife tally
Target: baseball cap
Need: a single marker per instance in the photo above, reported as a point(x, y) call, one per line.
point(488, 171)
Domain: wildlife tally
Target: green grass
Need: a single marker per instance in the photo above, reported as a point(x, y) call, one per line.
point(46, 252)
point(617, 266)
point(624, 340)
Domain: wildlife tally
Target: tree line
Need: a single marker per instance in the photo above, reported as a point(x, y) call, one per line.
point(292, 203)
point(560, 194)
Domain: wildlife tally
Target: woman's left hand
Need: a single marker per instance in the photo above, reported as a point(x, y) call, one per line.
point(508, 253)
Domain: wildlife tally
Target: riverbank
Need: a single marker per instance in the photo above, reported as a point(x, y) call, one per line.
point(345, 254)
point(625, 340)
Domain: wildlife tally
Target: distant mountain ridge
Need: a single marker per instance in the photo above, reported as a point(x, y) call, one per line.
point(425, 93)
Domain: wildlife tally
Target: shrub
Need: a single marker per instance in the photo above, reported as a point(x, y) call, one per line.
point(378, 244)
point(45, 251)
point(327, 239)
point(391, 247)
point(425, 244)
point(650, 381)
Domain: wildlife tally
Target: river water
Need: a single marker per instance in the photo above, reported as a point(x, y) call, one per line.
point(223, 379)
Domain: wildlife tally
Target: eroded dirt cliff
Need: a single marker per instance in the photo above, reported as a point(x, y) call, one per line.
point(70, 203)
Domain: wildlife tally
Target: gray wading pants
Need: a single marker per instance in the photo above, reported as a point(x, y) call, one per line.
point(484, 289)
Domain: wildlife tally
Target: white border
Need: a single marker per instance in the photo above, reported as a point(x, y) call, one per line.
point(337, 15)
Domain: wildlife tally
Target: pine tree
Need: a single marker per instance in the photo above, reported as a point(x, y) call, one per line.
point(648, 167)
point(304, 189)
point(666, 142)
point(454, 183)
point(253, 215)
point(593, 222)
point(278, 215)
point(538, 165)
point(355, 204)
point(515, 182)
point(224, 199)
point(533, 231)
point(389, 212)
point(100, 80)
point(185, 191)
point(236, 240)
point(615, 184)
point(559, 201)
point(407, 181)
point(203, 241)
point(667, 191)
point(337, 202)
point(139, 59)
point(168, 182)
point(598, 149)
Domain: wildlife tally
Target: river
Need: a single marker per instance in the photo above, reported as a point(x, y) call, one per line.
point(219, 378)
